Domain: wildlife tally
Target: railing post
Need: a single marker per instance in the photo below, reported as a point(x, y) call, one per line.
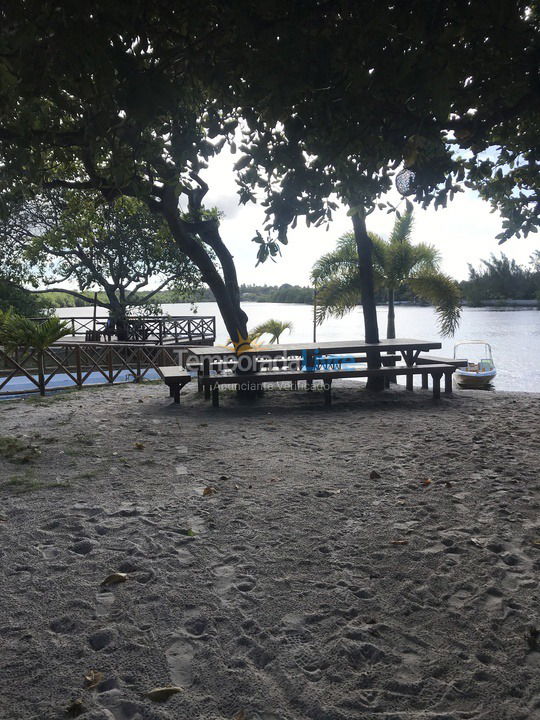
point(78, 366)
point(138, 356)
point(72, 327)
point(110, 363)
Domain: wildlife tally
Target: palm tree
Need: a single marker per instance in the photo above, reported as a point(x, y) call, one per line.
point(18, 331)
point(397, 263)
point(274, 328)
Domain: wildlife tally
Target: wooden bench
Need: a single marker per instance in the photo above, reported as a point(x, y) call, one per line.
point(175, 378)
point(254, 381)
point(427, 359)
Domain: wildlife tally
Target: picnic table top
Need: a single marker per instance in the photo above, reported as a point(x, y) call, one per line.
point(329, 346)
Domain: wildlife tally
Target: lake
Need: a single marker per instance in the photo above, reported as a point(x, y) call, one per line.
point(514, 334)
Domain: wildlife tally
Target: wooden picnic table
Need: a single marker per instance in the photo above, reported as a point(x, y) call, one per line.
point(286, 365)
point(409, 348)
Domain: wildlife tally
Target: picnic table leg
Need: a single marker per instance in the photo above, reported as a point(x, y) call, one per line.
point(409, 383)
point(448, 382)
point(206, 371)
point(424, 380)
point(436, 385)
point(215, 394)
point(177, 393)
point(328, 391)
point(259, 386)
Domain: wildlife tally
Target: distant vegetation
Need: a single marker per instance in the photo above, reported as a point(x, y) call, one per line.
point(497, 279)
point(249, 293)
point(500, 278)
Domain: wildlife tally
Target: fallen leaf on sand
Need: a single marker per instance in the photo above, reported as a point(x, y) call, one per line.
point(240, 715)
point(163, 693)
point(138, 446)
point(92, 678)
point(209, 491)
point(399, 542)
point(187, 531)
point(115, 578)
point(426, 482)
point(374, 475)
point(475, 541)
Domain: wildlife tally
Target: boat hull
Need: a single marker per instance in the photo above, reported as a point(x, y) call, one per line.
point(466, 378)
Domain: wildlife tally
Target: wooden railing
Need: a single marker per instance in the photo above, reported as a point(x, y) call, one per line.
point(188, 329)
point(79, 363)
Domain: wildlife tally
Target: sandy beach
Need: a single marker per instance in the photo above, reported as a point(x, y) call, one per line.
point(271, 561)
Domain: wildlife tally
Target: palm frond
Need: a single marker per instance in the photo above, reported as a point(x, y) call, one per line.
point(401, 232)
point(426, 256)
point(20, 331)
point(271, 327)
point(442, 292)
point(338, 296)
point(341, 260)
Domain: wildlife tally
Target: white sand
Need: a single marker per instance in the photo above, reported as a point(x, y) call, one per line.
point(310, 589)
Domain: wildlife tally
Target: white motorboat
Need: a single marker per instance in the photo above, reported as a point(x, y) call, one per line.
point(480, 369)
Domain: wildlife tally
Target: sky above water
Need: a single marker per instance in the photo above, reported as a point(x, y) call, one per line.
point(463, 233)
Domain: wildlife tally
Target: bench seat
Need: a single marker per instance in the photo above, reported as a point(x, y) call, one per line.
point(254, 381)
point(175, 377)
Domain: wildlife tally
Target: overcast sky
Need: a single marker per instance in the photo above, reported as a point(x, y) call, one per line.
point(464, 233)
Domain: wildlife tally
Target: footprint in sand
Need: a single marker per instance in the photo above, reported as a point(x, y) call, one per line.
point(224, 575)
point(179, 657)
point(49, 552)
point(104, 603)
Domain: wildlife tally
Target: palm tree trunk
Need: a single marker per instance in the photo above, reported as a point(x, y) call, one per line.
point(367, 289)
point(391, 325)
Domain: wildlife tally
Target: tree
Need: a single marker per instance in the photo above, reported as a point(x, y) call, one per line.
point(74, 237)
point(501, 279)
point(397, 263)
point(436, 96)
point(274, 328)
point(336, 97)
point(21, 301)
point(120, 101)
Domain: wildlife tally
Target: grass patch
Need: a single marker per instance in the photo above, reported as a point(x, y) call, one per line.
point(20, 484)
point(16, 450)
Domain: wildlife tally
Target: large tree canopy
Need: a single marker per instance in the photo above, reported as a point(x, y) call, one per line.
point(337, 96)
point(116, 97)
point(120, 247)
point(357, 92)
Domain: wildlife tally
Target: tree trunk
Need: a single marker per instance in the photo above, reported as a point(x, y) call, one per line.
point(391, 324)
point(118, 318)
point(225, 289)
point(369, 307)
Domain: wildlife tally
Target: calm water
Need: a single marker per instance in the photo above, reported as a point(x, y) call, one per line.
point(514, 335)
